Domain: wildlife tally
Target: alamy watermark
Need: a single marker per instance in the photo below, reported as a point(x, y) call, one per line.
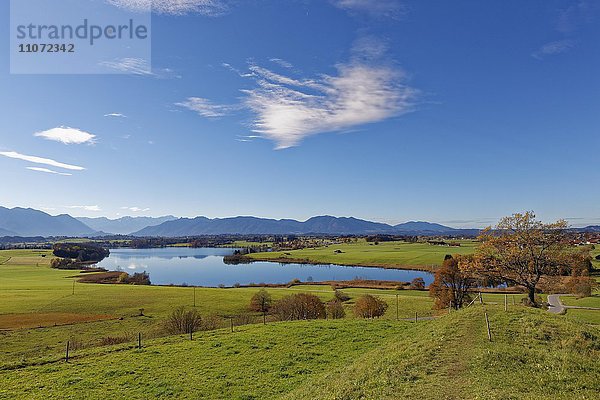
point(78, 37)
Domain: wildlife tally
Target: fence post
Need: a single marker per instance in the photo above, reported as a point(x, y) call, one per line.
point(487, 323)
point(513, 296)
point(397, 309)
point(73, 292)
point(264, 317)
point(194, 296)
point(505, 302)
point(480, 298)
point(67, 355)
point(139, 340)
point(416, 317)
point(231, 319)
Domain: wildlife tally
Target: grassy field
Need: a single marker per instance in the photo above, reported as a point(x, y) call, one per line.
point(385, 254)
point(32, 295)
point(533, 355)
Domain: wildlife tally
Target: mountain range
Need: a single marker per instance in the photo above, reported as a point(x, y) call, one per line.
point(27, 222)
point(316, 225)
point(124, 225)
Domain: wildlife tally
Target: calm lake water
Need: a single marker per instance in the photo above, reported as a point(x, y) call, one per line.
point(205, 267)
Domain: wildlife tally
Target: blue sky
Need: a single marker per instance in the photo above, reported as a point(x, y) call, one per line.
point(453, 112)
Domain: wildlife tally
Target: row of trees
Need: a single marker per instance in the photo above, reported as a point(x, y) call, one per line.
point(520, 251)
point(302, 306)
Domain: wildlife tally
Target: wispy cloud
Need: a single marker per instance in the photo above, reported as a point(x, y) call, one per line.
point(376, 8)
point(135, 66)
point(205, 107)
point(40, 160)
point(210, 8)
point(282, 63)
point(289, 109)
point(135, 209)
point(116, 115)
point(48, 171)
point(86, 208)
point(67, 135)
point(553, 48)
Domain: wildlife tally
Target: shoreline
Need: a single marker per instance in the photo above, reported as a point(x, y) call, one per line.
point(287, 260)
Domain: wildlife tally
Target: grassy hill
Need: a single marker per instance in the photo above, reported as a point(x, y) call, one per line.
point(533, 355)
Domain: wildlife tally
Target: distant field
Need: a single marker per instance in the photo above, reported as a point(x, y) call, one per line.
point(385, 254)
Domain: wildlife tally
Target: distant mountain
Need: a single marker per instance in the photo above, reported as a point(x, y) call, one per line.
point(30, 222)
point(316, 225)
point(419, 226)
point(124, 225)
point(592, 228)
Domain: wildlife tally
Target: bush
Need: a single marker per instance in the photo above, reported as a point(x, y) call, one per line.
point(417, 284)
point(581, 286)
point(64, 263)
point(368, 306)
point(182, 321)
point(341, 296)
point(139, 278)
point(211, 322)
point(112, 340)
point(299, 306)
point(335, 310)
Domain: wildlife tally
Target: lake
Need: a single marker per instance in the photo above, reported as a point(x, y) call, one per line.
point(205, 267)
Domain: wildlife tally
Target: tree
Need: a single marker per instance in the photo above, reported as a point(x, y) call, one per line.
point(368, 306)
point(417, 284)
point(261, 302)
point(451, 285)
point(521, 249)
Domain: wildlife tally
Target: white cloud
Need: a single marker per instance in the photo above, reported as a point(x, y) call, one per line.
point(116, 115)
point(67, 135)
point(40, 160)
point(378, 8)
point(289, 110)
point(281, 63)
point(46, 170)
point(130, 65)
point(174, 7)
point(205, 107)
point(553, 48)
point(135, 209)
point(86, 208)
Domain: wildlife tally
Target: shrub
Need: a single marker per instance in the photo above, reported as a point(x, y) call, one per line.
point(368, 306)
point(417, 284)
point(299, 306)
point(211, 322)
point(335, 310)
point(112, 340)
point(261, 302)
point(138, 278)
point(341, 296)
point(64, 263)
point(182, 321)
point(581, 286)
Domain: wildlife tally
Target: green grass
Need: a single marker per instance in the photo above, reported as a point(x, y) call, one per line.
point(28, 285)
point(385, 254)
point(533, 355)
point(593, 301)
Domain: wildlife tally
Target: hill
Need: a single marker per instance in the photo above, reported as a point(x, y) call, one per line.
point(533, 355)
point(30, 222)
point(315, 225)
point(124, 225)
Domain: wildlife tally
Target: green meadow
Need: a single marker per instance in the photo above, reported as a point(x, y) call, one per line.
point(532, 355)
point(384, 254)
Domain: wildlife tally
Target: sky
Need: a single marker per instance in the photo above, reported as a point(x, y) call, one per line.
point(456, 112)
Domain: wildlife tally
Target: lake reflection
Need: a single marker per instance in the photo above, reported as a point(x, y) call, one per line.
point(205, 267)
